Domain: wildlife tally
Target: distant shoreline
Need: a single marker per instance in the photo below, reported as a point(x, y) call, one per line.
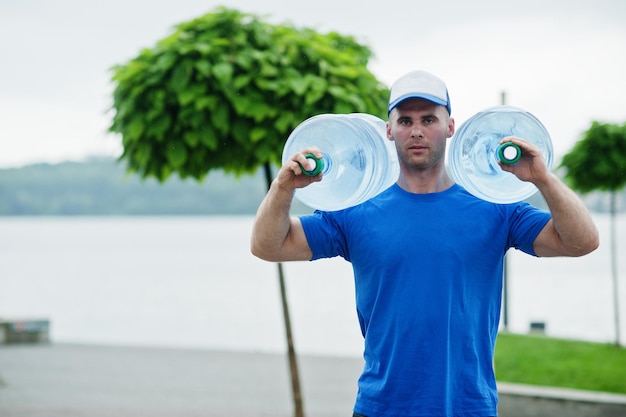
point(101, 186)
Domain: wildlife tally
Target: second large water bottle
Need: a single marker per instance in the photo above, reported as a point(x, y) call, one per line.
point(475, 151)
point(359, 161)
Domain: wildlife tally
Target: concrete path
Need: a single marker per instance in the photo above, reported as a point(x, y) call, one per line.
point(95, 381)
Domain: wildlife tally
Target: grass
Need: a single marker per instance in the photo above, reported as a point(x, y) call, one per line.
point(539, 360)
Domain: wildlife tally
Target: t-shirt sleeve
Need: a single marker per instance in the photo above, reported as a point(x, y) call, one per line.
point(324, 235)
point(526, 223)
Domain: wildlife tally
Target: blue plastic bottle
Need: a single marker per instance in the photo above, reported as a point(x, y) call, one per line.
point(359, 161)
point(475, 151)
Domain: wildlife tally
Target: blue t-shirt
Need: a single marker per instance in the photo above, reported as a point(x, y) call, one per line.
point(428, 278)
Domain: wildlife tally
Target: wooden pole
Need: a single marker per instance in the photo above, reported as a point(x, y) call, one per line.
point(291, 351)
point(614, 268)
point(505, 274)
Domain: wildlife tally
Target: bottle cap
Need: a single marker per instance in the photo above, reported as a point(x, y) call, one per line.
point(316, 163)
point(509, 153)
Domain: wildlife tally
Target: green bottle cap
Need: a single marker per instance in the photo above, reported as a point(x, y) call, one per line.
point(509, 153)
point(319, 166)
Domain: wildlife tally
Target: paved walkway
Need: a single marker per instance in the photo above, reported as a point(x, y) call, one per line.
point(95, 381)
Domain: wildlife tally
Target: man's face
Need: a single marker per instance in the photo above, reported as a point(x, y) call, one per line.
point(420, 130)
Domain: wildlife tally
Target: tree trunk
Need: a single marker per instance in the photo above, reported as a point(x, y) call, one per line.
point(614, 267)
point(293, 363)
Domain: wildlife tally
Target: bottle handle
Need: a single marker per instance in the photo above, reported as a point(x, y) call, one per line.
point(319, 165)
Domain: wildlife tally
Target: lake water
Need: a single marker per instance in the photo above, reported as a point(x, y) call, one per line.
point(192, 282)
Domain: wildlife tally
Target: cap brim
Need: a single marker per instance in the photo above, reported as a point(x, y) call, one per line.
point(428, 97)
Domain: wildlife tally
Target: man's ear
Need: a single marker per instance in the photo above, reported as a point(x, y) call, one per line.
point(388, 125)
point(451, 127)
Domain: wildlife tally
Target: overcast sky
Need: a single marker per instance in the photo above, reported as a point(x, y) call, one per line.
point(564, 61)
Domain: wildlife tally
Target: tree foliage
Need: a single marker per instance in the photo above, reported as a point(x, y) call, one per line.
point(226, 89)
point(598, 161)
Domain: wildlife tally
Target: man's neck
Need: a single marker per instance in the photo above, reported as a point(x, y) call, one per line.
point(424, 182)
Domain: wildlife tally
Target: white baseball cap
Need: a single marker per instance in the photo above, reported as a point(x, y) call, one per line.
point(419, 84)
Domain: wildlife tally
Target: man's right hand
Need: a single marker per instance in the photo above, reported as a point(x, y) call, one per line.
point(291, 174)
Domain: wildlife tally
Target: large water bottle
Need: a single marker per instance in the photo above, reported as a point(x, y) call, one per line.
point(475, 151)
point(359, 161)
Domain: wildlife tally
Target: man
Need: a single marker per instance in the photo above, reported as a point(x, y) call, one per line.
point(427, 259)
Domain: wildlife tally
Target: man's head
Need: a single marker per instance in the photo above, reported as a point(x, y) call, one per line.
point(419, 84)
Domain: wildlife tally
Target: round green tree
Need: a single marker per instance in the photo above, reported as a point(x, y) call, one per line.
point(226, 89)
point(598, 162)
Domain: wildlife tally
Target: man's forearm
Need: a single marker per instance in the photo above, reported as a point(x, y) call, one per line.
point(572, 221)
point(272, 233)
point(275, 235)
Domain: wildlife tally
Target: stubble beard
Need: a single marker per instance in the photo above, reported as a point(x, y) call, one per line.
point(423, 162)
